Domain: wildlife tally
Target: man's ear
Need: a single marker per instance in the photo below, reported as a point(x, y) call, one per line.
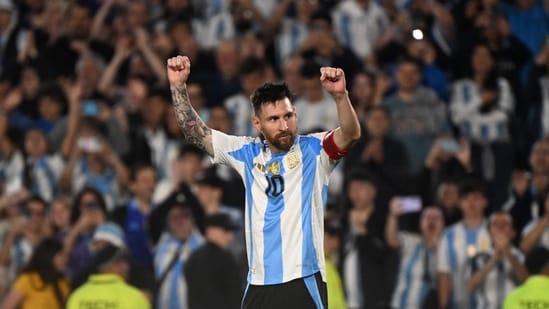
point(256, 123)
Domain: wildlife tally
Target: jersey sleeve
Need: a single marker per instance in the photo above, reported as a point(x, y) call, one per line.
point(223, 144)
point(325, 160)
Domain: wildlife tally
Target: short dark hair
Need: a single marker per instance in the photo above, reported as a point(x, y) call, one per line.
point(270, 93)
point(469, 186)
point(251, 65)
point(411, 60)
point(537, 260)
point(138, 167)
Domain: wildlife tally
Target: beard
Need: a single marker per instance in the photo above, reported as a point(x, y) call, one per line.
point(282, 141)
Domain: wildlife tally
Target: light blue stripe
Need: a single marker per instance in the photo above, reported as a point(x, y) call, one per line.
point(450, 239)
point(466, 94)
point(220, 29)
point(273, 261)
point(312, 287)
point(345, 27)
point(294, 38)
point(310, 149)
point(471, 238)
point(251, 151)
point(175, 301)
point(408, 276)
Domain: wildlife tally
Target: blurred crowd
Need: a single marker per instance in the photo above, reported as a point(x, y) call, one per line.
point(435, 207)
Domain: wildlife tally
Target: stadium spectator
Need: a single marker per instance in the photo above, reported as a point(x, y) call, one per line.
point(88, 212)
point(417, 115)
point(460, 243)
point(178, 241)
point(316, 108)
point(253, 73)
point(134, 217)
point(480, 106)
point(107, 287)
point(379, 153)
point(358, 24)
point(212, 273)
point(24, 235)
point(42, 282)
point(210, 191)
point(369, 265)
point(416, 284)
point(532, 292)
point(495, 273)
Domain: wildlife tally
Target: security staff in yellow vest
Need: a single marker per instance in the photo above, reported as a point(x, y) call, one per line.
point(534, 293)
point(107, 288)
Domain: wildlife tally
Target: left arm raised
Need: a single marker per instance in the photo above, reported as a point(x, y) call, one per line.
point(348, 132)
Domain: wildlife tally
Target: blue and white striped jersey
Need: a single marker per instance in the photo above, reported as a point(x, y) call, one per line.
point(458, 246)
point(498, 282)
point(465, 102)
point(285, 198)
point(173, 291)
point(414, 281)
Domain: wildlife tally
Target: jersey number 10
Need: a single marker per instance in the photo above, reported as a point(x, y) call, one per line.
point(275, 185)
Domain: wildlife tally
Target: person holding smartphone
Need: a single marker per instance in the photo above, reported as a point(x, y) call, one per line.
point(417, 271)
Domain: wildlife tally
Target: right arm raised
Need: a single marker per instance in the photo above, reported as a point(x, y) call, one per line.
point(193, 127)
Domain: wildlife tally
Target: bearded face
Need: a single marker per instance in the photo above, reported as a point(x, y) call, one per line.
point(277, 122)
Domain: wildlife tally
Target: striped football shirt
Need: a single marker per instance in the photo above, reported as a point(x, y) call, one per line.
point(285, 198)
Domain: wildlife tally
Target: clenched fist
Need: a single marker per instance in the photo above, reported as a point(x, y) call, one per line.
point(178, 69)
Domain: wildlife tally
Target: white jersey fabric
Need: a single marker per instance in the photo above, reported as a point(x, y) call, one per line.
point(285, 198)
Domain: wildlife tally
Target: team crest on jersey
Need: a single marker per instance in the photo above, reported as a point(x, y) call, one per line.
point(291, 159)
point(484, 244)
point(274, 168)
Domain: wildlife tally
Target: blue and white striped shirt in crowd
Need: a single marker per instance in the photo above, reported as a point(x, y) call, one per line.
point(458, 246)
point(498, 282)
point(240, 110)
point(45, 172)
point(414, 281)
point(465, 102)
point(20, 254)
point(172, 294)
point(544, 238)
point(290, 36)
point(358, 28)
point(216, 29)
point(285, 198)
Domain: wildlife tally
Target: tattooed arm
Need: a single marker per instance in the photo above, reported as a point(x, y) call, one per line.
point(193, 128)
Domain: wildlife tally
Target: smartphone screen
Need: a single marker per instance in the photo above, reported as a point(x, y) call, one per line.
point(409, 204)
point(449, 145)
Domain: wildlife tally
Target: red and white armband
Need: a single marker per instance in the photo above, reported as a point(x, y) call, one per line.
point(331, 148)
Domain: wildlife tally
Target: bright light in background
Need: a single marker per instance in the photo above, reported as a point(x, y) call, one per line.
point(417, 34)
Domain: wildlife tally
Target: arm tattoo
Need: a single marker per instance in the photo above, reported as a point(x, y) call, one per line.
point(194, 129)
